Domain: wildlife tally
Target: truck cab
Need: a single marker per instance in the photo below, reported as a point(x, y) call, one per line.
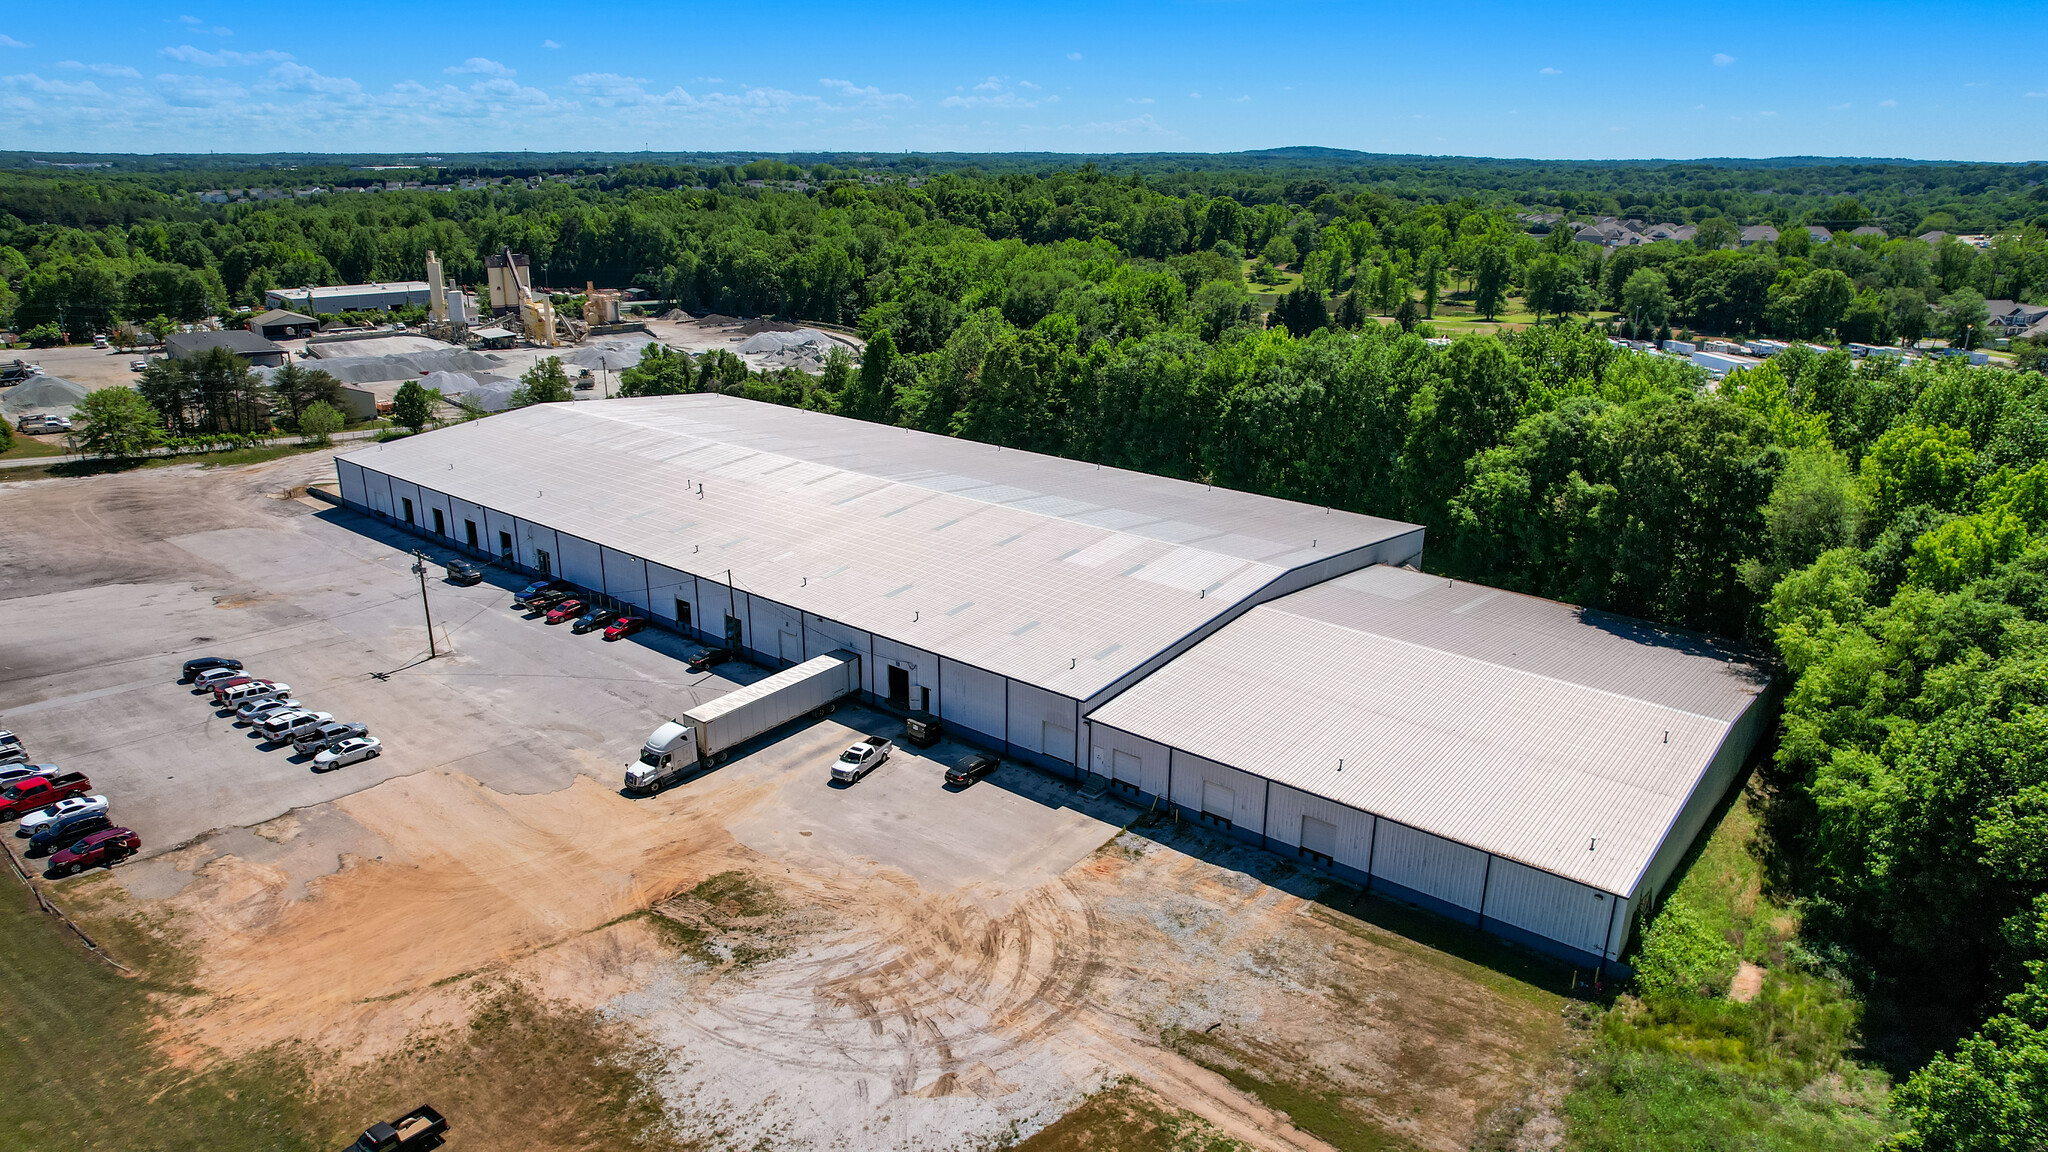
point(669, 754)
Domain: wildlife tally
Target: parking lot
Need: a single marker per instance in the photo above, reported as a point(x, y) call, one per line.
point(930, 966)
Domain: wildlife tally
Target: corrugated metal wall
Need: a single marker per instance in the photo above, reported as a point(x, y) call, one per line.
point(1352, 842)
point(1548, 905)
point(1442, 869)
point(1248, 792)
point(1129, 759)
point(1043, 722)
point(972, 699)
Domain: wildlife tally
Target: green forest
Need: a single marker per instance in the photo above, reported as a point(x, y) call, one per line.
point(1877, 530)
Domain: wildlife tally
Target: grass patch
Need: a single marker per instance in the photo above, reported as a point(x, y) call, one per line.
point(1699, 1071)
point(24, 448)
point(1126, 1118)
point(78, 1056)
point(728, 921)
point(1314, 1108)
point(231, 458)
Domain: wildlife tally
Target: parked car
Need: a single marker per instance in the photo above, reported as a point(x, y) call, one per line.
point(288, 725)
point(566, 610)
point(348, 752)
point(595, 618)
point(137, 365)
point(708, 659)
point(465, 574)
point(212, 677)
point(545, 600)
point(257, 711)
point(971, 769)
point(43, 425)
point(221, 684)
point(106, 847)
point(861, 759)
point(9, 773)
point(13, 754)
point(530, 589)
point(198, 664)
point(65, 831)
point(624, 626)
point(241, 694)
point(327, 736)
point(9, 739)
point(69, 806)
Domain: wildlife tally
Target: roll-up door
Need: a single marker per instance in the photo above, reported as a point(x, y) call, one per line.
point(1127, 768)
point(1218, 801)
point(1319, 837)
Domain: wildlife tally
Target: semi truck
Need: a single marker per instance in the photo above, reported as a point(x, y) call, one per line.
point(702, 737)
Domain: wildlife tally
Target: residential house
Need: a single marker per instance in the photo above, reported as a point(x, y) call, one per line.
point(1759, 234)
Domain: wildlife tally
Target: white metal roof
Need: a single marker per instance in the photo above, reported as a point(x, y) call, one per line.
point(1052, 572)
point(1565, 739)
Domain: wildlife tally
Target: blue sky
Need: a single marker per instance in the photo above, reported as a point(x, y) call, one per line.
point(1746, 79)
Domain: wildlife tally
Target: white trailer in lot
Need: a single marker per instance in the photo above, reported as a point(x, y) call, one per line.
point(704, 735)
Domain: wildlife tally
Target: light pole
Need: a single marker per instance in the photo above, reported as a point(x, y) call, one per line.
point(419, 567)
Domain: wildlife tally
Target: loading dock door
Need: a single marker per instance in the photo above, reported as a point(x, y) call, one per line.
point(792, 647)
point(1127, 768)
point(899, 686)
point(505, 549)
point(1218, 801)
point(733, 636)
point(440, 524)
point(469, 530)
point(1319, 837)
point(1055, 739)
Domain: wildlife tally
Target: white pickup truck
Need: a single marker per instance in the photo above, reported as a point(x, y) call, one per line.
point(861, 759)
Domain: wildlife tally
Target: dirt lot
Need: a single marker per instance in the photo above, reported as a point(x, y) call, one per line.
point(891, 965)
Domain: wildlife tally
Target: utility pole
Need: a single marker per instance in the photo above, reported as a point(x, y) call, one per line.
point(419, 567)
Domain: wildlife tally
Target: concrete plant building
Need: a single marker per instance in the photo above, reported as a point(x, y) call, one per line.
point(336, 298)
point(1205, 647)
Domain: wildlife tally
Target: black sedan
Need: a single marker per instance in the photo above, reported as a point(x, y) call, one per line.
point(594, 619)
point(705, 660)
point(198, 664)
point(464, 574)
point(62, 834)
point(971, 769)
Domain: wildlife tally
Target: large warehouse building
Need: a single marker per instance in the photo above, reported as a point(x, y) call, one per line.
point(1211, 647)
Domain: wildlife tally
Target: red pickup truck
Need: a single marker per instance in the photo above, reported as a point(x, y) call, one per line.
point(33, 792)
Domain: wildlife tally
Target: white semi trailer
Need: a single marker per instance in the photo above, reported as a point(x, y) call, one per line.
point(703, 736)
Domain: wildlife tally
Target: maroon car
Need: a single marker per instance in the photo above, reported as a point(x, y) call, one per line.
point(625, 626)
point(106, 847)
point(566, 610)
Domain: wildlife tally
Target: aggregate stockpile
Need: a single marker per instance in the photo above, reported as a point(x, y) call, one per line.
point(704, 735)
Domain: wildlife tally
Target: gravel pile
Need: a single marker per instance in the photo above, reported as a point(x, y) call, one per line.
point(42, 394)
point(370, 369)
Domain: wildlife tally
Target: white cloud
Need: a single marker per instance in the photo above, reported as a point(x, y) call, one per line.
point(995, 92)
point(1551, 72)
point(478, 66)
point(225, 57)
point(190, 20)
point(7, 41)
point(1027, 84)
point(2037, 95)
point(869, 97)
point(707, 80)
point(121, 70)
point(1243, 100)
point(1722, 59)
point(1888, 104)
point(1194, 95)
point(1073, 55)
point(1140, 100)
point(1767, 113)
point(549, 44)
point(1135, 126)
point(299, 78)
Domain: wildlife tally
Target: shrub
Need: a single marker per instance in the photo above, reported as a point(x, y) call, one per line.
point(1682, 956)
